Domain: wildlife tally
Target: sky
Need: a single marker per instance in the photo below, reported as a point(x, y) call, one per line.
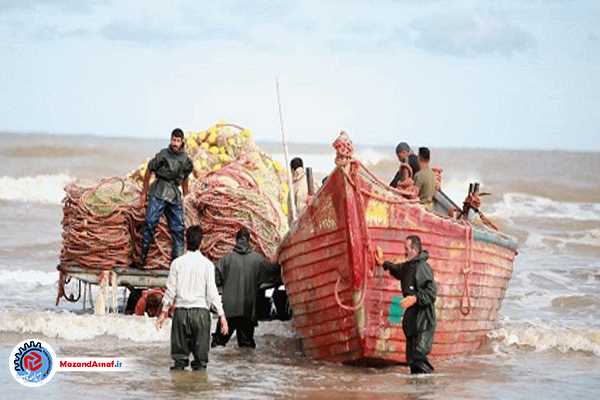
point(492, 74)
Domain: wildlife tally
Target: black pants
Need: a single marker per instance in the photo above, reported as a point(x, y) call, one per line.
point(190, 333)
point(417, 348)
point(245, 332)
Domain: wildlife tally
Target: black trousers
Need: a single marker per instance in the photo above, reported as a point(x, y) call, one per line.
point(417, 348)
point(190, 333)
point(245, 332)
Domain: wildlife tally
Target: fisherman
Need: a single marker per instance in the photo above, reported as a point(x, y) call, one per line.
point(240, 274)
point(402, 152)
point(191, 286)
point(172, 167)
point(419, 291)
point(425, 179)
point(299, 188)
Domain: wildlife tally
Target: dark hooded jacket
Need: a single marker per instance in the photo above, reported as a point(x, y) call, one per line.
point(171, 169)
point(416, 279)
point(239, 274)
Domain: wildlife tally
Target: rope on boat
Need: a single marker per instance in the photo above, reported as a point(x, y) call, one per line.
point(367, 243)
point(465, 302)
point(350, 167)
point(473, 202)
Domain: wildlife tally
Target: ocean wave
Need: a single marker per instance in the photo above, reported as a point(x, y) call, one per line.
point(543, 337)
point(524, 205)
point(49, 151)
point(585, 238)
point(71, 326)
point(561, 240)
point(28, 277)
point(370, 156)
point(575, 302)
point(47, 189)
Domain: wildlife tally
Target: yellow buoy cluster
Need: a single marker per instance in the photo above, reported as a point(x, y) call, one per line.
point(222, 143)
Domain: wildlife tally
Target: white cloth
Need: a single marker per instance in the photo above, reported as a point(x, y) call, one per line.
point(191, 283)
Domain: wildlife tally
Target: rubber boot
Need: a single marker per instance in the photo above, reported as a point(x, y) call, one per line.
point(143, 257)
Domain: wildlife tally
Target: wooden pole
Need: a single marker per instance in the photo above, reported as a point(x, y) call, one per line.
point(286, 155)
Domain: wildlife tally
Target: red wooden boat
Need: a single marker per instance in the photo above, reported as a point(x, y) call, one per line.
point(345, 306)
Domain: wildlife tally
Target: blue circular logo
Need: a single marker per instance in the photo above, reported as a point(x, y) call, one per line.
point(32, 363)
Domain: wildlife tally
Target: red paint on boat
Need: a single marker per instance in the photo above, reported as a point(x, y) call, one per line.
point(330, 248)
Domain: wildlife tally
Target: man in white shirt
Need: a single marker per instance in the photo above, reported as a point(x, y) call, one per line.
point(191, 287)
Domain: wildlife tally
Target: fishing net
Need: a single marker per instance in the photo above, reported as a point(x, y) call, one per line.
point(233, 184)
point(246, 193)
point(96, 224)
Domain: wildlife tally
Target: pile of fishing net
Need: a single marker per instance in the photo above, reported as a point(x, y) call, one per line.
point(249, 192)
point(233, 184)
point(96, 224)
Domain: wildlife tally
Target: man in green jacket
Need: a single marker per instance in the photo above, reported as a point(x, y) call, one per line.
point(419, 291)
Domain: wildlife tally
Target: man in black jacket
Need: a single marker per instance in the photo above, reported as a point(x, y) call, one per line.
point(171, 167)
point(419, 291)
point(240, 274)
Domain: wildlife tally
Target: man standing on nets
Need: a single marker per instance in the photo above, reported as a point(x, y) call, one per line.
point(240, 274)
point(171, 167)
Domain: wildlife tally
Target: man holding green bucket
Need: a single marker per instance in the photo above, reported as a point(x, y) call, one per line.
point(417, 308)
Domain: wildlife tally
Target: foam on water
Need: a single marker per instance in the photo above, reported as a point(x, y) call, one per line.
point(524, 205)
point(370, 156)
point(47, 189)
point(28, 277)
point(71, 326)
point(542, 337)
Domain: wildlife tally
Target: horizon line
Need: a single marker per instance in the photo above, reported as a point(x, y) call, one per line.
point(273, 142)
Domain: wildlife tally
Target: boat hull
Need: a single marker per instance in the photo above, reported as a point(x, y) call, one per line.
point(345, 306)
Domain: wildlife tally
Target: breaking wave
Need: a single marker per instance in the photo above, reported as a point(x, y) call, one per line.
point(545, 337)
point(371, 156)
point(70, 326)
point(47, 189)
point(49, 151)
point(524, 205)
point(28, 277)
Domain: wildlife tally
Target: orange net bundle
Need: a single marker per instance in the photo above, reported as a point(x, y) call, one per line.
point(103, 224)
point(247, 193)
point(96, 224)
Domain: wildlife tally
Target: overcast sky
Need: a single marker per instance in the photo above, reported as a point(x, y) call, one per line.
point(510, 74)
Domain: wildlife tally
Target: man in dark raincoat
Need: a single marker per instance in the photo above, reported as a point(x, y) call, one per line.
point(240, 274)
point(419, 291)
